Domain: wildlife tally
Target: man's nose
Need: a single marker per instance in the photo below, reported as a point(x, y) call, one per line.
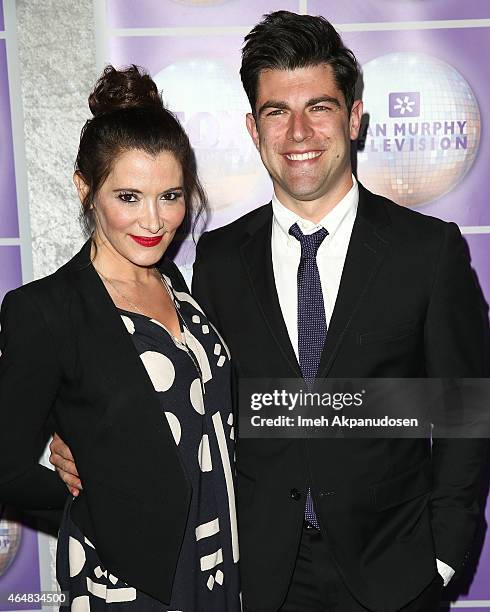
point(299, 127)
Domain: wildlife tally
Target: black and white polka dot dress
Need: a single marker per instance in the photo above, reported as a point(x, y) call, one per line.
point(191, 380)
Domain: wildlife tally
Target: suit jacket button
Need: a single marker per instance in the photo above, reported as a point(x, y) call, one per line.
point(295, 494)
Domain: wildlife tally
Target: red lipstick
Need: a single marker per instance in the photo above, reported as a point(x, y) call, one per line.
point(147, 241)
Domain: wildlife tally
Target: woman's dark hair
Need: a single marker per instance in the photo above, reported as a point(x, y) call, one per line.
point(128, 113)
point(287, 41)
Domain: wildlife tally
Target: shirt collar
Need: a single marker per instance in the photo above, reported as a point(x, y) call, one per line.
point(347, 206)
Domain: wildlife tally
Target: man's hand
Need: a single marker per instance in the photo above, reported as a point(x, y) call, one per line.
point(63, 461)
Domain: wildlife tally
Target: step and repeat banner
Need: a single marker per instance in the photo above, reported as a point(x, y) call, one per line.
point(10, 260)
point(425, 84)
point(20, 568)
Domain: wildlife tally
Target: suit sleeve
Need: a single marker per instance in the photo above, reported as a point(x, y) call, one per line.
point(201, 288)
point(29, 381)
point(456, 346)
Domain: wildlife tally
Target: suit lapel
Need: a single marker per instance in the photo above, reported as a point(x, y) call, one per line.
point(367, 249)
point(257, 258)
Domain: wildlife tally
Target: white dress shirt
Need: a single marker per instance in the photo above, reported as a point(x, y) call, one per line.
point(286, 255)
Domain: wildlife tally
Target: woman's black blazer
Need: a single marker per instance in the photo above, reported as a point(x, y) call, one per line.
point(66, 355)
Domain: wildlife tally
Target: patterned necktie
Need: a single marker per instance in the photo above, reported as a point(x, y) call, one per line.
point(312, 324)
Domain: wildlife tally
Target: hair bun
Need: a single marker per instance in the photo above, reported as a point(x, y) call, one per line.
point(131, 87)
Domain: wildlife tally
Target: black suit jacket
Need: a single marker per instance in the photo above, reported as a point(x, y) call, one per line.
point(68, 357)
point(408, 306)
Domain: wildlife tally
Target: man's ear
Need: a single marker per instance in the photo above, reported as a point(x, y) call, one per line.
point(252, 130)
point(355, 119)
point(81, 185)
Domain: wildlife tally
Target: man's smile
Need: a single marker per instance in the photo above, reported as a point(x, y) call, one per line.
point(307, 155)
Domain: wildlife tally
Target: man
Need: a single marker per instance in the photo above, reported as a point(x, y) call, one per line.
point(333, 281)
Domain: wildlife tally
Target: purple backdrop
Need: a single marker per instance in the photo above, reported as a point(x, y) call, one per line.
point(9, 227)
point(189, 13)
point(362, 11)
point(467, 203)
point(11, 276)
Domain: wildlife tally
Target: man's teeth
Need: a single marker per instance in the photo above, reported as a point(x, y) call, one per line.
point(303, 156)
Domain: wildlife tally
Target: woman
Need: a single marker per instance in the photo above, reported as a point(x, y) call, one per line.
point(113, 352)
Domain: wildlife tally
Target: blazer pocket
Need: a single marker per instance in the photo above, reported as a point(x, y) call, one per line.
point(389, 334)
point(402, 488)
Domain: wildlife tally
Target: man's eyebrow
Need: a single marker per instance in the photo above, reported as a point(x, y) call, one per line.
point(273, 104)
point(278, 104)
point(328, 99)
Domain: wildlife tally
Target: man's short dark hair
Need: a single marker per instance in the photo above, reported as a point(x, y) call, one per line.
point(287, 41)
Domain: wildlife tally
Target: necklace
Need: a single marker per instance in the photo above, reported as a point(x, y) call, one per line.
point(182, 343)
point(120, 293)
point(138, 310)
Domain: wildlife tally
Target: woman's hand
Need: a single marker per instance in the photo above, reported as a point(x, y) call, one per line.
point(63, 461)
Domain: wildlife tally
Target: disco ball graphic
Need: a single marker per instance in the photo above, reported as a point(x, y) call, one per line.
point(207, 97)
point(424, 128)
point(10, 536)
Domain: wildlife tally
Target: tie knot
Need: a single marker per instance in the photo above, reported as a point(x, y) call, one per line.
point(310, 243)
